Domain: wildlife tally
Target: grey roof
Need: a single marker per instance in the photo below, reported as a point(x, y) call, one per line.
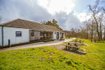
point(20, 23)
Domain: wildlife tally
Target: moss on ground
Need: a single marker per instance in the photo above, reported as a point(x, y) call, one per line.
point(50, 58)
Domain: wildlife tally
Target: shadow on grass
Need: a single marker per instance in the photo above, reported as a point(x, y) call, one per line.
point(76, 52)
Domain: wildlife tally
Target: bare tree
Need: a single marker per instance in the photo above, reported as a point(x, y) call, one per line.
point(94, 12)
point(104, 25)
point(94, 29)
point(97, 15)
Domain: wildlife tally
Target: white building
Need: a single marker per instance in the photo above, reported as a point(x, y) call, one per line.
point(22, 31)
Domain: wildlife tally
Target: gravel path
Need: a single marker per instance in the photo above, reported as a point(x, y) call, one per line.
point(40, 44)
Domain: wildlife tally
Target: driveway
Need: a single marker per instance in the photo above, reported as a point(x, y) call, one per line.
point(39, 44)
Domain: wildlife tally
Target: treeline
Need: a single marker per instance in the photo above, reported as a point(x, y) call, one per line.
point(94, 28)
point(52, 22)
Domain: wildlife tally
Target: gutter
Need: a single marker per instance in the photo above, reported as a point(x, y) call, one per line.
point(2, 32)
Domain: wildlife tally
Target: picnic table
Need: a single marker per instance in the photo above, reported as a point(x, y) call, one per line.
point(72, 46)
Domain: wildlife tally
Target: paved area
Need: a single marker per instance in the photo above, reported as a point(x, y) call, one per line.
point(40, 44)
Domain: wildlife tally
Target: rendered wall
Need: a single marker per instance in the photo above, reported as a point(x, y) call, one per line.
point(10, 34)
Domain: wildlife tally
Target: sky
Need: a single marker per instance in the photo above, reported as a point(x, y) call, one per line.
point(68, 13)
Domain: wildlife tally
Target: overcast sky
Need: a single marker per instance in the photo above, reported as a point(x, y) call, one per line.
point(69, 13)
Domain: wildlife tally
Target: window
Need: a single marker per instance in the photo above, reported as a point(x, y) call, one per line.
point(18, 33)
point(41, 34)
point(32, 33)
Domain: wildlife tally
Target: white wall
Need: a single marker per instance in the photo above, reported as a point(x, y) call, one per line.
point(0, 37)
point(54, 35)
point(10, 33)
point(36, 36)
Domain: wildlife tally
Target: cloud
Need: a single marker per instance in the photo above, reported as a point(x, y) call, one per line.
point(8, 10)
point(83, 16)
point(56, 6)
point(30, 9)
point(72, 22)
point(69, 21)
point(61, 18)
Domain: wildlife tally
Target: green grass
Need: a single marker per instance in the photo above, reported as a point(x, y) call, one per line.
point(49, 58)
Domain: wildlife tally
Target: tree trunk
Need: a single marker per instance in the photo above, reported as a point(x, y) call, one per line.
point(104, 33)
point(97, 27)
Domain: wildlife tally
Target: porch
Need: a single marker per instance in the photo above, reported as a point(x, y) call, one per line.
point(40, 35)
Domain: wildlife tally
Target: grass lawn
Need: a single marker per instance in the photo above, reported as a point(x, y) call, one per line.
point(49, 58)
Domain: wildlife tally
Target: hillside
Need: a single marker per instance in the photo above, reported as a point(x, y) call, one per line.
point(50, 58)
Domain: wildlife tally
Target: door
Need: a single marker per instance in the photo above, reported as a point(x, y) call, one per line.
point(57, 36)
